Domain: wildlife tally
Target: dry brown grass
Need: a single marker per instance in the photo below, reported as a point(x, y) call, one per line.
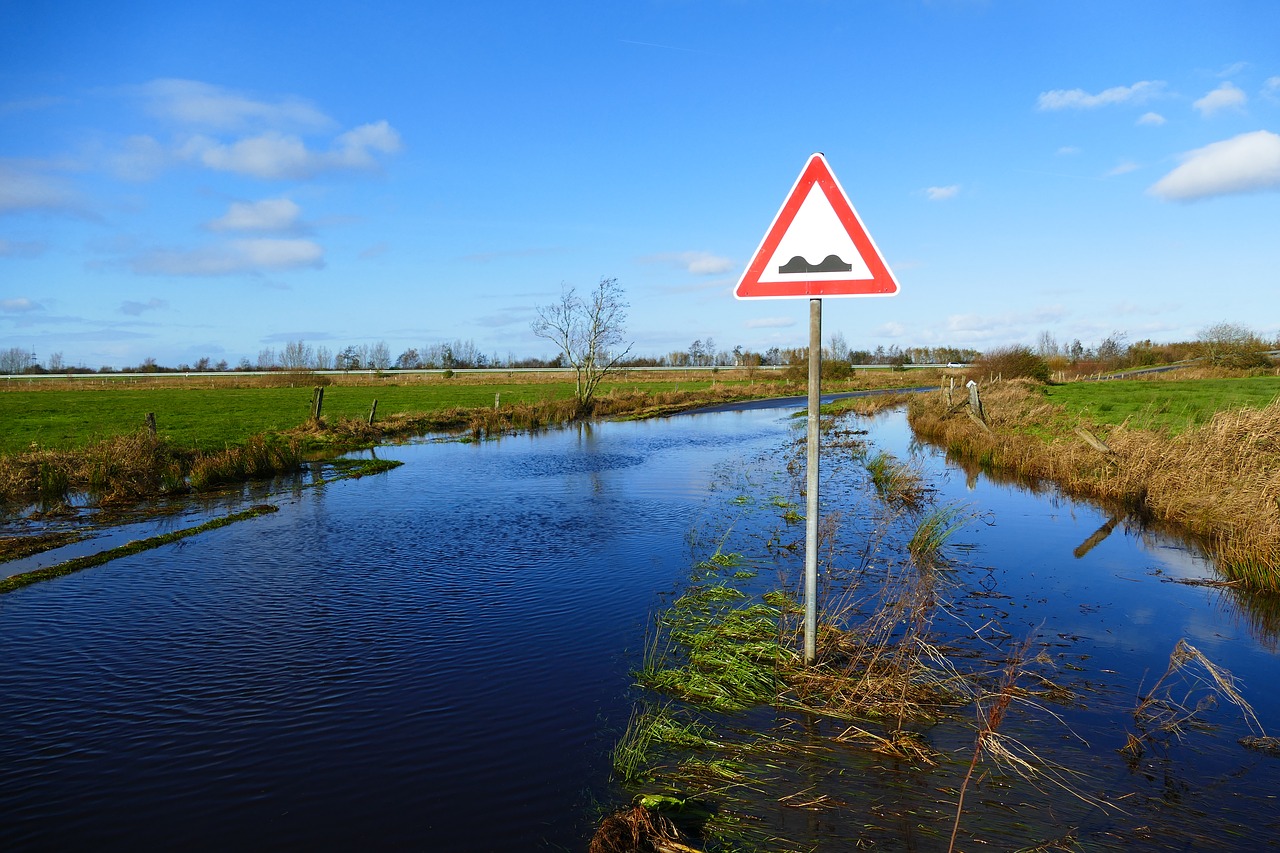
point(117, 470)
point(1219, 483)
point(638, 830)
point(131, 468)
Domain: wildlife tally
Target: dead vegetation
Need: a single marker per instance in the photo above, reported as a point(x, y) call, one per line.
point(136, 467)
point(1219, 482)
point(638, 829)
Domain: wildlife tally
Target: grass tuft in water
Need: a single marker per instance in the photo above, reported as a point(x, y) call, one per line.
point(895, 482)
point(934, 530)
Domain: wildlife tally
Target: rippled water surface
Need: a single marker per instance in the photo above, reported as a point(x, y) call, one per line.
point(437, 658)
point(424, 658)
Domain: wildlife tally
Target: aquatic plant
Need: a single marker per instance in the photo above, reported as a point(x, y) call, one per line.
point(725, 652)
point(934, 531)
point(652, 730)
point(1199, 682)
point(896, 482)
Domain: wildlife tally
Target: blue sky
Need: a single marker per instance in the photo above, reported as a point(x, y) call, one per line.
point(187, 180)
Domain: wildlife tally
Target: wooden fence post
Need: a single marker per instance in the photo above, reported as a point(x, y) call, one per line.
point(151, 424)
point(317, 402)
point(373, 410)
point(975, 402)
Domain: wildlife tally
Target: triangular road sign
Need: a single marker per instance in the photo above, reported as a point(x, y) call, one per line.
point(816, 246)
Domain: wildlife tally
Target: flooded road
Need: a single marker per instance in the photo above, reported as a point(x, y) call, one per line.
point(439, 657)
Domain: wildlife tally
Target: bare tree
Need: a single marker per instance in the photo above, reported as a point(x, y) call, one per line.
point(380, 356)
point(1047, 345)
point(296, 356)
point(589, 333)
point(15, 360)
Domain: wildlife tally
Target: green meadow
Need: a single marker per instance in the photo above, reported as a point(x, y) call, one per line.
point(210, 418)
point(1164, 405)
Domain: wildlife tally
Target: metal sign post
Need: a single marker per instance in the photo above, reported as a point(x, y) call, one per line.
point(811, 484)
point(815, 247)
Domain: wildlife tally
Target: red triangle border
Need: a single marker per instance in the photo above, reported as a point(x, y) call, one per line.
point(881, 283)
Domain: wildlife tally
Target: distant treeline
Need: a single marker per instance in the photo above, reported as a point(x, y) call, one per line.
point(1221, 343)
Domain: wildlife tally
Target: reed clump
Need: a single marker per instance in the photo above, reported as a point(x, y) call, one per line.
point(136, 467)
point(257, 459)
point(1219, 482)
point(896, 482)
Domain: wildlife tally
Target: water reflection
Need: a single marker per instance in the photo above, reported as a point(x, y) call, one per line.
point(406, 656)
point(1096, 537)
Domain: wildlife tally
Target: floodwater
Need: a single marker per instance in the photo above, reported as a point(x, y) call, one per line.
point(438, 658)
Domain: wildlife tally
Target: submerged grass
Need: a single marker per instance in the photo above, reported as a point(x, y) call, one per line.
point(934, 531)
point(763, 737)
point(17, 547)
point(47, 573)
point(723, 652)
point(895, 481)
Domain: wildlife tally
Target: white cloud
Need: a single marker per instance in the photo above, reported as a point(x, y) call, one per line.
point(141, 158)
point(135, 309)
point(237, 256)
point(203, 105)
point(771, 323)
point(20, 248)
point(1068, 151)
point(942, 193)
point(267, 215)
point(1151, 119)
point(1245, 163)
point(24, 190)
point(274, 155)
point(697, 263)
point(30, 104)
point(355, 147)
point(1224, 97)
point(1123, 168)
point(1271, 88)
point(890, 330)
point(20, 305)
point(1079, 99)
point(1002, 326)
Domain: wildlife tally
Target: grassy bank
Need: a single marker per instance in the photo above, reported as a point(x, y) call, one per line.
point(56, 441)
point(1202, 456)
point(206, 414)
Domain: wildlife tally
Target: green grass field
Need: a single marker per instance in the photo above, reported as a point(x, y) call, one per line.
point(211, 418)
point(1165, 404)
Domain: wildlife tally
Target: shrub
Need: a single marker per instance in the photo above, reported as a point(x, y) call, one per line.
point(1013, 362)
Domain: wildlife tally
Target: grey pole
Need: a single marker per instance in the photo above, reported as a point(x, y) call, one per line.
point(811, 485)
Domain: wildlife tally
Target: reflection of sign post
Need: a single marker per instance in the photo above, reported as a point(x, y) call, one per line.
point(815, 247)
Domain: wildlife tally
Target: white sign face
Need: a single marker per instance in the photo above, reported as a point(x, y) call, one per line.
point(816, 246)
point(816, 239)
